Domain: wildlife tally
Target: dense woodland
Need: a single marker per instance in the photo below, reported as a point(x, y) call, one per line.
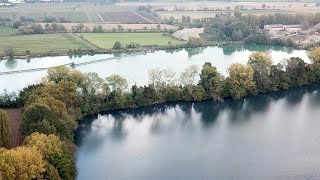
point(51, 110)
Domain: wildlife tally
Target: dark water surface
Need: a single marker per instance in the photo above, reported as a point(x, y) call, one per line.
point(271, 136)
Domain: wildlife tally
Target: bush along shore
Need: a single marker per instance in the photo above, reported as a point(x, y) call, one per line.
point(53, 109)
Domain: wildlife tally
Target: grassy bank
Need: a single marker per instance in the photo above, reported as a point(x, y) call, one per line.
point(60, 44)
point(41, 44)
point(107, 40)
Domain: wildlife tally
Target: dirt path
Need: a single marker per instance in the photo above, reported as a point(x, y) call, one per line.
point(15, 117)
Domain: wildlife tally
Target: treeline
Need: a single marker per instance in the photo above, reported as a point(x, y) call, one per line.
point(239, 27)
point(38, 29)
point(50, 109)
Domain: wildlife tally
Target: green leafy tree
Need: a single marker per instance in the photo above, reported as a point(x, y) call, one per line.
point(261, 63)
point(117, 45)
point(240, 81)
point(211, 80)
point(117, 83)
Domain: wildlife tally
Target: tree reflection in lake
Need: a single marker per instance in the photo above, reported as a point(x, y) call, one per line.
point(275, 133)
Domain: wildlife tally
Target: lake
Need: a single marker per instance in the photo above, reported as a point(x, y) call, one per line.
point(135, 67)
point(270, 136)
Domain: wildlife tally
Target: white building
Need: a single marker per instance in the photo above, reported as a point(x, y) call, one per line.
point(281, 27)
point(16, 1)
point(274, 27)
point(293, 28)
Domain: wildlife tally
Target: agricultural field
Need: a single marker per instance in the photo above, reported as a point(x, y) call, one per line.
point(196, 9)
point(7, 31)
point(107, 40)
point(42, 43)
point(128, 17)
point(74, 12)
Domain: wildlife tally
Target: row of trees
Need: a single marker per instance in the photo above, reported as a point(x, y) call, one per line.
point(260, 75)
point(38, 29)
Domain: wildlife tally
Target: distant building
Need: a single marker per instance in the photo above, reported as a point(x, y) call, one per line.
point(5, 4)
point(274, 27)
point(16, 1)
point(281, 27)
point(293, 28)
point(35, 1)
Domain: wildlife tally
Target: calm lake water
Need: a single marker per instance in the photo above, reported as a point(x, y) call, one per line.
point(272, 136)
point(135, 67)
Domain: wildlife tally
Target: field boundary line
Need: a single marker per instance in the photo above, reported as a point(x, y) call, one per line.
point(100, 17)
point(86, 41)
point(142, 17)
point(156, 18)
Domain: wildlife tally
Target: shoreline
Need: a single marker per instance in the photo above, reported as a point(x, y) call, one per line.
point(145, 49)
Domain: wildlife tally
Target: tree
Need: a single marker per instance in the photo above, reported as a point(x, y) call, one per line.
point(22, 163)
point(261, 63)
point(4, 129)
point(211, 81)
point(48, 116)
point(314, 56)
point(240, 81)
point(9, 52)
point(183, 19)
point(297, 72)
point(160, 78)
point(117, 45)
point(55, 152)
point(237, 35)
point(79, 27)
point(117, 83)
point(62, 73)
point(188, 76)
point(16, 24)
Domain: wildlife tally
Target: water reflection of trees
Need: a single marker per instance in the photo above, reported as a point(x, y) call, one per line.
point(228, 50)
point(11, 63)
point(238, 112)
point(194, 51)
point(171, 51)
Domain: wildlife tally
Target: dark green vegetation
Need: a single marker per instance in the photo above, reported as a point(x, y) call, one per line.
point(4, 129)
point(248, 28)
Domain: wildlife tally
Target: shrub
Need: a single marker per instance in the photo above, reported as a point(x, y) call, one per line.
point(117, 45)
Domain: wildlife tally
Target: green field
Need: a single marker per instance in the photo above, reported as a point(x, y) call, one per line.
point(107, 40)
point(42, 43)
point(7, 31)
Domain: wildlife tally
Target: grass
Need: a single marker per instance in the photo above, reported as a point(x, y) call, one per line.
point(42, 43)
point(7, 31)
point(107, 40)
